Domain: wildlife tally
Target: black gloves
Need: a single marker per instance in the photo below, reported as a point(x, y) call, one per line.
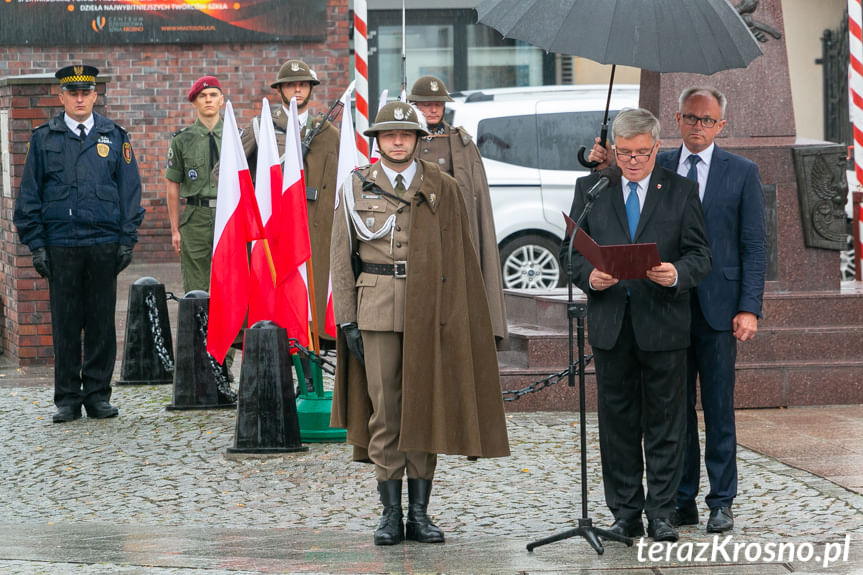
point(40, 262)
point(355, 342)
point(124, 257)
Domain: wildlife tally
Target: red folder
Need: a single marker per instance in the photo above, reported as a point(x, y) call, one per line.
point(624, 261)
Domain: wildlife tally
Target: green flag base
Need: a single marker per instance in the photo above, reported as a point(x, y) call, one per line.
point(314, 408)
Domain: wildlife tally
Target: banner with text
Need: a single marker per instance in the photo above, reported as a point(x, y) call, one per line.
point(54, 22)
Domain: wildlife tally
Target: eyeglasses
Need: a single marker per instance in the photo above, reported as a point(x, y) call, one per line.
point(692, 120)
point(626, 156)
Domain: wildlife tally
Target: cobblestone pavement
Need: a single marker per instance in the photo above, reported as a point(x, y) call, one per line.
point(152, 492)
point(159, 475)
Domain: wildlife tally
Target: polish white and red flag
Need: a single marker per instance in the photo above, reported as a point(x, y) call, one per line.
point(293, 245)
point(268, 192)
point(238, 222)
point(348, 162)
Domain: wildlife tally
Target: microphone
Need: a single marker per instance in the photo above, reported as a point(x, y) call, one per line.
point(609, 177)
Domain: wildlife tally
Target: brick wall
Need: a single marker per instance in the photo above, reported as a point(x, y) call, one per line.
point(145, 92)
point(147, 88)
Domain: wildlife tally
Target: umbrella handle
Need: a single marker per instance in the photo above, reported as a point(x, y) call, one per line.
point(603, 137)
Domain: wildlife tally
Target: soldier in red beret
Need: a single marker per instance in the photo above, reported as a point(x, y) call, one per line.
point(192, 182)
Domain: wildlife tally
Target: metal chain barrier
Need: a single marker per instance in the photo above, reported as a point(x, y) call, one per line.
point(222, 383)
point(156, 330)
point(515, 394)
point(508, 394)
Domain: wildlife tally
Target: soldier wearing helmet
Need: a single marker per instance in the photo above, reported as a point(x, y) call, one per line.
point(297, 80)
point(417, 372)
point(455, 153)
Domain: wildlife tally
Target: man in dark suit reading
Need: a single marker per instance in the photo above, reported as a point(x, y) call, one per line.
point(639, 329)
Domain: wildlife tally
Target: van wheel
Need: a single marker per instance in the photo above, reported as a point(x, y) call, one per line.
point(530, 262)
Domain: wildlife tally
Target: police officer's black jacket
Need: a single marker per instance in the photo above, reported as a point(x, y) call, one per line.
point(75, 194)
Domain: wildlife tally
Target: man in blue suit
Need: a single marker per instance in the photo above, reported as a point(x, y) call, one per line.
point(726, 304)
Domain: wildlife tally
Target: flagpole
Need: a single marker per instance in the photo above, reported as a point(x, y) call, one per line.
point(404, 57)
point(311, 277)
point(270, 262)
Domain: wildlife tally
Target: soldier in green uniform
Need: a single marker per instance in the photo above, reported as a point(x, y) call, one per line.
point(453, 151)
point(192, 157)
point(193, 153)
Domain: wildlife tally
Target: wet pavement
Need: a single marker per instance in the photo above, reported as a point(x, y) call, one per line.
point(153, 492)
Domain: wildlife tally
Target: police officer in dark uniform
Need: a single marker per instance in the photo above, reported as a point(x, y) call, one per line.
point(78, 210)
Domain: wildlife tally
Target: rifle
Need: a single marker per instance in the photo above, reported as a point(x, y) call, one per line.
point(332, 114)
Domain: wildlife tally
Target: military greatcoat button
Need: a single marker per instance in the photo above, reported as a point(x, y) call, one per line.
point(398, 244)
point(398, 228)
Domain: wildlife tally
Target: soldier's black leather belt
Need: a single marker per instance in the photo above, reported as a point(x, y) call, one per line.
point(205, 202)
point(398, 269)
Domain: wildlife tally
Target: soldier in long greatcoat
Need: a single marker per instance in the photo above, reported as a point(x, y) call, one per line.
point(455, 153)
point(296, 80)
point(417, 373)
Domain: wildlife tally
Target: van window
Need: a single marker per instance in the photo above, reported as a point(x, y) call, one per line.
point(562, 134)
point(510, 139)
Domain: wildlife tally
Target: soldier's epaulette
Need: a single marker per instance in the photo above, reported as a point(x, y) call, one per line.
point(121, 128)
point(180, 131)
point(40, 126)
point(465, 137)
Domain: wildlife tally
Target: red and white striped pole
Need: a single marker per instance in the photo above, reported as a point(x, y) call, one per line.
point(361, 75)
point(855, 92)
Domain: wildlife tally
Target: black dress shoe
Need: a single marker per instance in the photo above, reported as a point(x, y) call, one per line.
point(687, 515)
point(721, 519)
point(101, 410)
point(66, 413)
point(627, 527)
point(661, 530)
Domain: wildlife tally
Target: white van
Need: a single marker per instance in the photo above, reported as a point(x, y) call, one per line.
point(529, 140)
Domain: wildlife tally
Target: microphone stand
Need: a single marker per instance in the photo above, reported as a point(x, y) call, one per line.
point(578, 311)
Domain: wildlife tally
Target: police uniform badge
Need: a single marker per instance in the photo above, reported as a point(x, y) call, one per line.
point(102, 150)
point(193, 174)
point(127, 152)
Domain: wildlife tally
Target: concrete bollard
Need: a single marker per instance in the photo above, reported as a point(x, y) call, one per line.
point(148, 351)
point(200, 382)
point(266, 410)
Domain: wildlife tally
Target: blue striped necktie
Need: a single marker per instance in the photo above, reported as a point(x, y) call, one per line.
point(633, 209)
point(692, 174)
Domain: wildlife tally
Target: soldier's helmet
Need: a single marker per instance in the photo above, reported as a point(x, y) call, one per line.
point(397, 116)
point(429, 89)
point(295, 71)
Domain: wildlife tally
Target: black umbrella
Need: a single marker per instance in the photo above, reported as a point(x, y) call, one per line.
point(698, 36)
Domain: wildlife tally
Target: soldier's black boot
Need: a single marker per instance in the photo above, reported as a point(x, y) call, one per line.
point(419, 526)
point(390, 530)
